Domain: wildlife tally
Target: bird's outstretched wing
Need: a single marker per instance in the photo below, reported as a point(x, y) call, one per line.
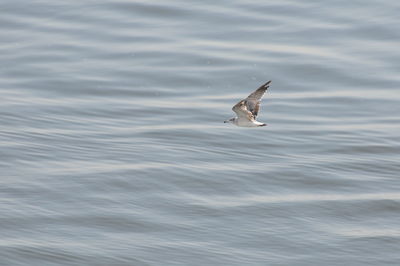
point(252, 101)
point(241, 110)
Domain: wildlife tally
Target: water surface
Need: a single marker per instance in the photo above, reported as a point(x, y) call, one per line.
point(113, 149)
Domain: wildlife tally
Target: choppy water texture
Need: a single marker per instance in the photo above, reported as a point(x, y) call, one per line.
point(113, 150)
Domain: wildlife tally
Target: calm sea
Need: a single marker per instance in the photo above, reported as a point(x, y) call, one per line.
point(113, 149)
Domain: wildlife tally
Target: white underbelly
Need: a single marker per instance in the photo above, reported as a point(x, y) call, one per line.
point(246, 123)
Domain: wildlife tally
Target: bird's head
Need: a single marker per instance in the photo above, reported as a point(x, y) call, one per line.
point(232, 120)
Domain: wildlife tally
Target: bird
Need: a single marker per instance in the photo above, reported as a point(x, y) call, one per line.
point(247, 109)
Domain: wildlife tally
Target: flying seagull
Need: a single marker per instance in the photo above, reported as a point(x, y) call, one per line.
point(247, 109)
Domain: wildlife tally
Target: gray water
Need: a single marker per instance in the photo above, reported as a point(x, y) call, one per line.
point(113, 149)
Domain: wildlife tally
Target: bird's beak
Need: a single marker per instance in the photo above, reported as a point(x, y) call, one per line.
point(225, 121)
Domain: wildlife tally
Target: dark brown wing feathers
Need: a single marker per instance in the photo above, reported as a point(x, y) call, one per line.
point(257, 94)
point(250, 106)
point(254, 99)
point(241, 110)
